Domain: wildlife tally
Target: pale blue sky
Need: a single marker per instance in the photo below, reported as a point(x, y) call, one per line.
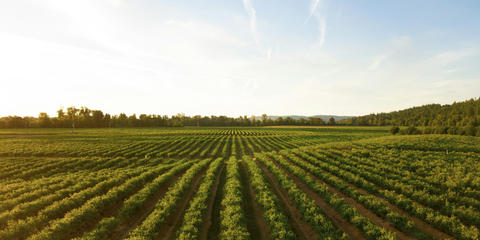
point(236, 57)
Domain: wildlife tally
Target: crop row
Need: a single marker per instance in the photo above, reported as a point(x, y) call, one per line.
point(105, 228)
point(310, 212)
point(362, 179)
point(149, 228)
point(232, 217)
point(194, 215)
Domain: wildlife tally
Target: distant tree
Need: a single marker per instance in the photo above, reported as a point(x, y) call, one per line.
point(72, 113)
point(394, 130)
point(132, 120)
point(264, 119)
point(60, 113)
point(289, 120)
point(44, 120)
point(107, 120)
point(197, 119)
point(98, 118)
point(331, 121)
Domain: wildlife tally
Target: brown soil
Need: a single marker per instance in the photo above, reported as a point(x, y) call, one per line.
point(25, 135)
point(207, 221)
point(253, 209)
point(214, 230)
point(302, 229)
point(330, 212)
point(172, 223)
point(122, 230)
point(361, 209)
point(419, 224)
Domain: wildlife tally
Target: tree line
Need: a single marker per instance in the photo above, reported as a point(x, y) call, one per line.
point(84, 117)
point(458, 118)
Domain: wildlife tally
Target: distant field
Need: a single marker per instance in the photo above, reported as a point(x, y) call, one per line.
point(238, 183)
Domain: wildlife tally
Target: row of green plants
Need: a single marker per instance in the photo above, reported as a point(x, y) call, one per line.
point(24, 227)
point(21, 210)
point(348, 212)
point(195, 213)
point(232, 217)
point(444, 185)
point(369, 201)
point(13, 190)
point(431, 167)
point(136, 202)
point(268, 201)
point(309, 211)
point(466, 209)
point(163, 208)
point(92, 211)
point(16, 187)
point(162, 145)
point(450, 224)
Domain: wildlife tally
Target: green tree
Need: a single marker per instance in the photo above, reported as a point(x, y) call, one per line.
point(72, 113)
point(97, 117)
point(264, 119)
point(331, 121)
point(44, 120)
point(394, 130)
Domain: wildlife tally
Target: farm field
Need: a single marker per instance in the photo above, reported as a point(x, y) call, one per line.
point(238, 183)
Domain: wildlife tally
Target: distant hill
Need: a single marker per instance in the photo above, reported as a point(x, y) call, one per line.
point(297, 117)
point(458, 114)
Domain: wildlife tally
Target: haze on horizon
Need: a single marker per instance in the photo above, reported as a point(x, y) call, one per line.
point(237, 57)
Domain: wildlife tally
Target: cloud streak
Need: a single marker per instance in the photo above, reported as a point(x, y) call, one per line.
point(247, 4)
point(377, 62)
point(322, 29)
point(313, 9)
point(321, 21)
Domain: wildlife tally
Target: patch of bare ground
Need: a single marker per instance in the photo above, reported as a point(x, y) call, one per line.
point(208, 221)
point(254, 214)
point(331, 214)
point(302, 229)
point(109, 212)
point(24, 135)
point(214, 228)
point(419, 224)
point(172, 223)
point(360, 208)
point(123, 229)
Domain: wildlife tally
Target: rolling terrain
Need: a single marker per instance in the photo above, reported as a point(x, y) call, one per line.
point(238, 183)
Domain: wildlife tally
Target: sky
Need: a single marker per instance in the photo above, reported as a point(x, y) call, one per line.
point(237, 57)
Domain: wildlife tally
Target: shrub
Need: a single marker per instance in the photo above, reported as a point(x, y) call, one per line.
point(394, 130)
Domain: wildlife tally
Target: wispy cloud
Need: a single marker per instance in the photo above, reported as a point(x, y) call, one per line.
point(377, 61)
point(247, 4)
point(322, 29)
point(313, 9)
point(320, 19)
point(396, 45)
point(448, 57)
point(116, 3)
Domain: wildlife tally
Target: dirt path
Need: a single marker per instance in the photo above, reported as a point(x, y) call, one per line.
point(419, 223)
point(254, 212)
point(330, 212)
point(360, 208)
point(172, 223)
point(214, 228)
point(207, 221)
point(111, 211)
point(122, 230)
point(302, 229)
